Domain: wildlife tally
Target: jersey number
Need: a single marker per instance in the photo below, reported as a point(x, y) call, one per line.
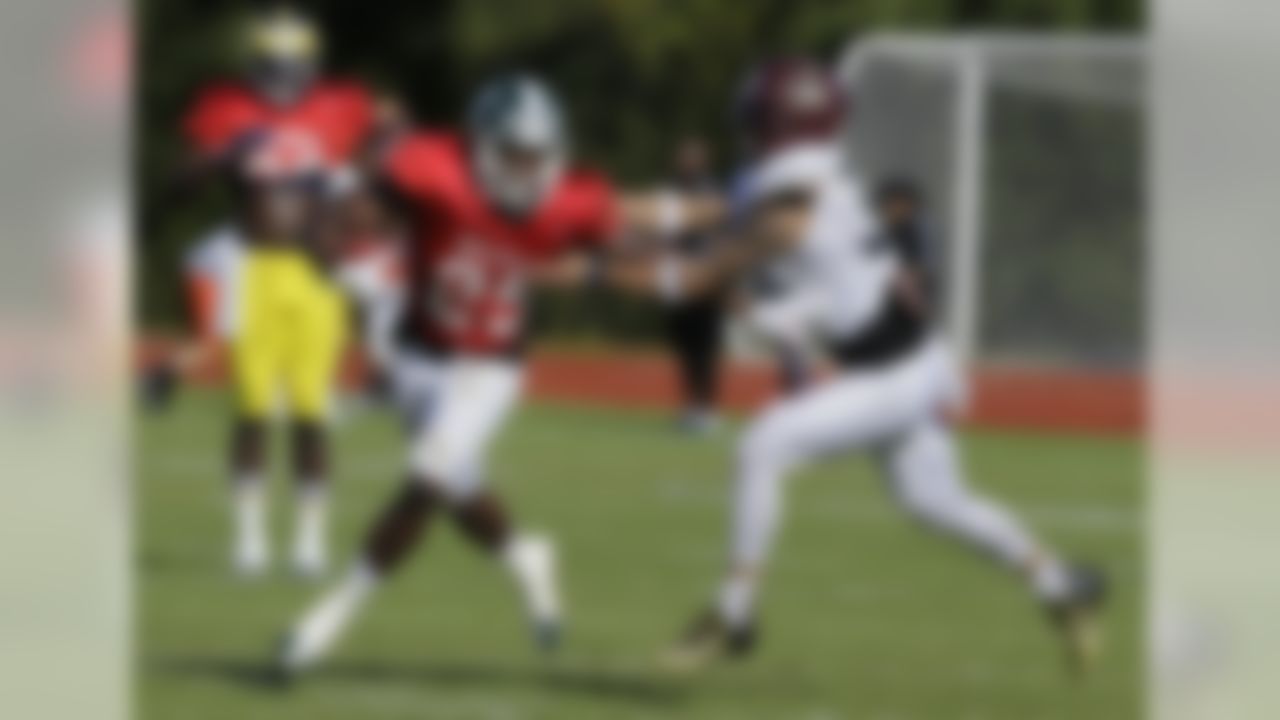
point(477, 296)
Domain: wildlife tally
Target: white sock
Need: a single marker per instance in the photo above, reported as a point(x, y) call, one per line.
point(532, 563)
point(1050, 578)
point(736, 600)
point(325, 622)
point(249, 513)
point(310, 554)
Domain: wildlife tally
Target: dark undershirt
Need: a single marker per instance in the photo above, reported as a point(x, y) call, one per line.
point(900, 326)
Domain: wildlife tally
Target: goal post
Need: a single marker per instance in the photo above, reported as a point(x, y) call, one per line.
point(1029, 150)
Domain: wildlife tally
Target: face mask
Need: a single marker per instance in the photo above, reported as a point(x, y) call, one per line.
point(517, 179)
point(281, 82)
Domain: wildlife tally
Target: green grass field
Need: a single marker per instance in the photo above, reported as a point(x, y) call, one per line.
point(865, 615)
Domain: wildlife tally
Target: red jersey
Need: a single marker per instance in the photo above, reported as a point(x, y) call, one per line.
point(318, 133)
point(467, 262)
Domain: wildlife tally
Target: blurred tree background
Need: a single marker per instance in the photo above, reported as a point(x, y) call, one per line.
point(637, 75)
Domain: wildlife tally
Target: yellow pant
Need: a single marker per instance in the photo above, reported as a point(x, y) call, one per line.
point(289, 338)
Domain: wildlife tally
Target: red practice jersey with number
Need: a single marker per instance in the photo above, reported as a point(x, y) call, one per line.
point(468, 263)
point(318, 133)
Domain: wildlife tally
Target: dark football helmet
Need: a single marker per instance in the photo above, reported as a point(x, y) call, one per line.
point(788, 100)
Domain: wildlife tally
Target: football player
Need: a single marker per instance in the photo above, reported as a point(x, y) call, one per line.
point(805, 208)
point(209, 272)
point(282, 137)
point(490, 212)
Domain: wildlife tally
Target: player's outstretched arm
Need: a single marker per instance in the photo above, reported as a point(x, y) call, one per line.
point(775, 227)
point(663, 213)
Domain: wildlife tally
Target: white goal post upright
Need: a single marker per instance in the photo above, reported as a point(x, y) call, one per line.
point(947, 84)
point(969, 141)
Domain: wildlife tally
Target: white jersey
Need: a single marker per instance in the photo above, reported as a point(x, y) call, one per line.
point(218, 256)
point(839, 279)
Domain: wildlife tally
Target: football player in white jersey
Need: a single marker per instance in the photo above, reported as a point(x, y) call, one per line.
point(804, 208)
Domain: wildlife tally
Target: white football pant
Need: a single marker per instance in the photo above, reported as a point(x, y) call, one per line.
point(897, 413)
point(454, 408)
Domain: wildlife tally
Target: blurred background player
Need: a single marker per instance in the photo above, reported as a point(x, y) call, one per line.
point(694, 325)
point(895, 377)
point(488, 213)
point(899, 205)
point(210, 271)
point(281, 137)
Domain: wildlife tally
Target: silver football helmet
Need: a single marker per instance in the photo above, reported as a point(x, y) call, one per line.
point(519, 143)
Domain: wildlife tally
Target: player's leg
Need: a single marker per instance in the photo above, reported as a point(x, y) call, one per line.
point(460, 412)
point(854, 411)
point(694, 331)
point(250, 553)
point(530, 559)
point(388, 543)
point(841, 414)
point(927, 479)
point(392, 536)
point(309, 438)
point(476, 400)
point(311, 377)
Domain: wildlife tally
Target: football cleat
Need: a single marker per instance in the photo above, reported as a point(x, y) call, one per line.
point(314, 635)
point(1077, 617)
point(708, 639)
point(547, 636)
point(286, 665)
